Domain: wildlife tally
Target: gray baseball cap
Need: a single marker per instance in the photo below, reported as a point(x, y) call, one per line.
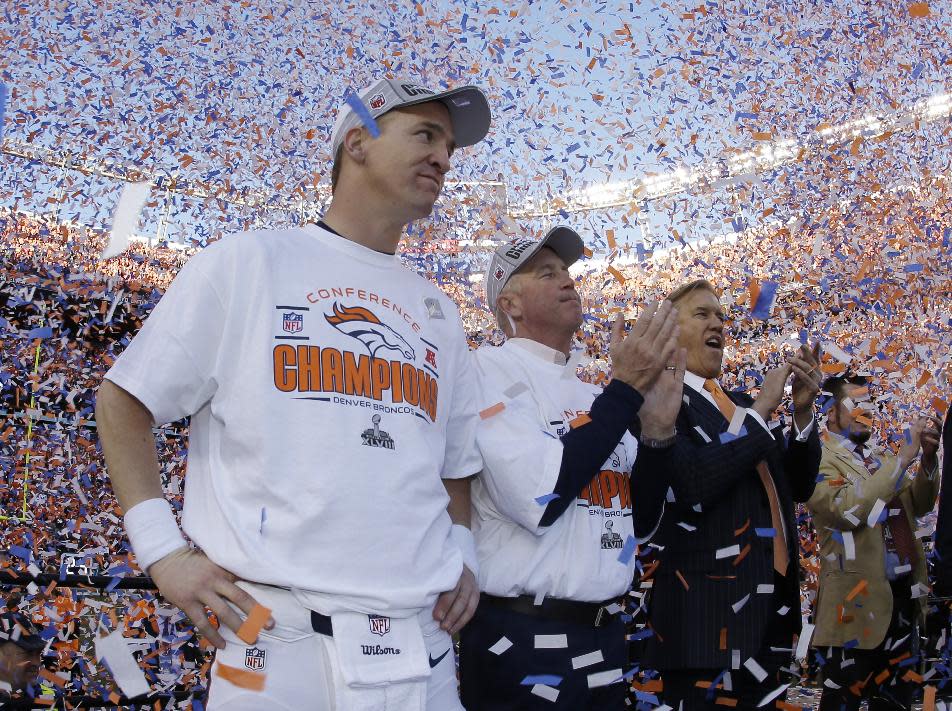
point(509, 257)
point(468, 107)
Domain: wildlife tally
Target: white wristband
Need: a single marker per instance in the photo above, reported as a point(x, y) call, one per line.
point(463, 538)
point(152, 531)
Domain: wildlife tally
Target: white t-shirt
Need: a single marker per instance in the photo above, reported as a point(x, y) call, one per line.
point(577, 557)
point(329, 392)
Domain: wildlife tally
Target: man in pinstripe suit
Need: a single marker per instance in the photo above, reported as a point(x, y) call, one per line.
point(725, 602)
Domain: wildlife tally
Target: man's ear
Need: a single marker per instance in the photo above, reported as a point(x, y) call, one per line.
point(833, 418)
point(354, 143)
point(509, 303)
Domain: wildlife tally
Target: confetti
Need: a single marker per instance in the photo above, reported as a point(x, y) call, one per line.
point(253, 624)
point(253, 681)
point(363, 113)
point(126, 217)
point(115, 652)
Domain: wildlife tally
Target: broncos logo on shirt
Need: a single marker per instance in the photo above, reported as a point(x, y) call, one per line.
point(364, 325)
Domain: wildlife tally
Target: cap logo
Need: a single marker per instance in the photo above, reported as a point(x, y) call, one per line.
point(516, 250)
point(413, 90)
point(499, 273)
point(377, 101)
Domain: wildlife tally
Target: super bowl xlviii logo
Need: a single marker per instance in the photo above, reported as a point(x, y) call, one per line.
point(293, 323)
point(376, 437)
point(255, 658)
point(379, 625)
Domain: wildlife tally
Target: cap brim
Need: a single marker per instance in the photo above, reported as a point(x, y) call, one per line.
point(469, 112)
point(565, 242)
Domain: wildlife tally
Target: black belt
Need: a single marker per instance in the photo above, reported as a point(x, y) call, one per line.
point(590, 614)
point(322, 624)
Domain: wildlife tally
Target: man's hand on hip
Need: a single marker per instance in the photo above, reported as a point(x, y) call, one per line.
point(190, 581)
point(456, 607)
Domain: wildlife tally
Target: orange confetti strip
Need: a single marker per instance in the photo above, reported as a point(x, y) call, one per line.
point(241, 677)
point(743, 554)
point(492, 410)
point(753, 291)
point(882, 676)
point(859, 588)
point(610, 236)
point(617, 274)
point(919, 9)
point(683, 581)
point(895, 660)
point(928, 698)
point(587, 252)
point(724, 701)
point(743, 528)
point(762, 136)
point(723, 640)
point(248, 632)
point(579, 421)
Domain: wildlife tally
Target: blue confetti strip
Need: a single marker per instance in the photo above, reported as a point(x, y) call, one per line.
point(627, 551)
point(726, 437)
point(3, 106)
point(363, 114)
point(765, 301)
point(547, 679)
point(766, 532)
point(546, 498)
point(46, 332)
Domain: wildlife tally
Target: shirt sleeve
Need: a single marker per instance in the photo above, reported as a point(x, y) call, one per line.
point(462, 455)
point(169, 366)
point(521, 461)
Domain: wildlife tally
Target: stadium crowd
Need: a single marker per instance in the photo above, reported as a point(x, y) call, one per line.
point(65, 315)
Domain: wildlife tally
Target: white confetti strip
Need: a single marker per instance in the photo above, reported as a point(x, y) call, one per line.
point(587, 660)
point(546, 692)
point(604, 678)
point(551, 641)
point(126, 673)
point(126, 217)
point(754, 668)
point(501, 646)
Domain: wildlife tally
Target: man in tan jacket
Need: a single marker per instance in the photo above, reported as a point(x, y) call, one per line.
point(873, 580)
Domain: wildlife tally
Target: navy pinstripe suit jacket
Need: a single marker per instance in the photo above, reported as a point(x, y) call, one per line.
point(719, 502)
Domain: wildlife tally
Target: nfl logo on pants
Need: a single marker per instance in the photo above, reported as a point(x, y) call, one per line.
point(379, 624)
point(254, 658)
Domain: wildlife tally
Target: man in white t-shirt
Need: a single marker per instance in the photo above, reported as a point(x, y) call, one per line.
point(331, 434)
point(562, 500)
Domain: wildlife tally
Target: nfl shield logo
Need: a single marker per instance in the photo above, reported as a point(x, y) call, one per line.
point(293, 322)
point(376, 101)
point(379, 624)
point(254, 658)
point(499, 273)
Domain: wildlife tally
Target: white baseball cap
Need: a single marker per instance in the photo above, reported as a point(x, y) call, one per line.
point(468, 107)
point(509, 257)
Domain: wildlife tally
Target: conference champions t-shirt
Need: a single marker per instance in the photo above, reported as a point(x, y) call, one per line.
point(329, 392)
point(577, 557)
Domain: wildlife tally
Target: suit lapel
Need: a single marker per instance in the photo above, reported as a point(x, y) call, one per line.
point(706, 410)
point(848, 459)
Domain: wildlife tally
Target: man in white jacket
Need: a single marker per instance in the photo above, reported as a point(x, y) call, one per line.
point(561, 503)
